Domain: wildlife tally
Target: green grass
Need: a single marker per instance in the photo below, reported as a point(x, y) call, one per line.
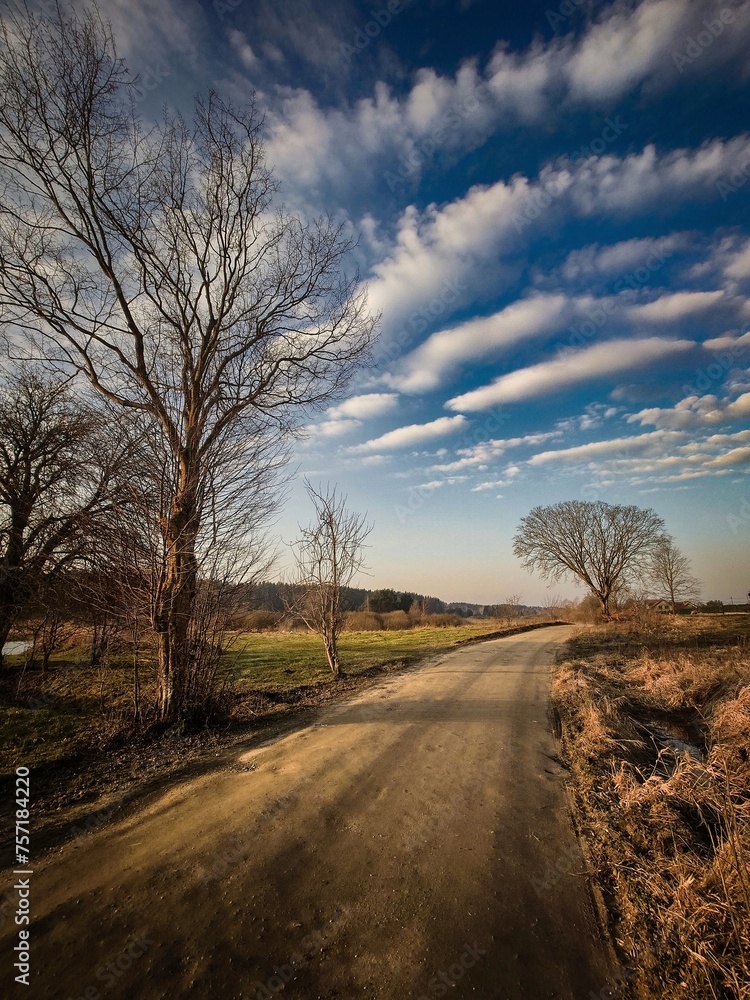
point(73, 707)
point(40, 736)
point(45, 716)
point(281, 661)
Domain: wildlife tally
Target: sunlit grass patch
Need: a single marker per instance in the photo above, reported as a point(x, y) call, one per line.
point(284, 660)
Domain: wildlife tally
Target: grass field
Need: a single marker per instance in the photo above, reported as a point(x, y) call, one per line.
point(74, 710)
point(655, 721)
point(280, 661)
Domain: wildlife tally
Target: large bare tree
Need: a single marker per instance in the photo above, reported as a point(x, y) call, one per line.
point(156, 265)
point(329, 554)
point(58, 468)
point(671, 573)
point(603, 545)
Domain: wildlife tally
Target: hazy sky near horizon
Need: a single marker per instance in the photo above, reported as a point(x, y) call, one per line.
point(552, 207)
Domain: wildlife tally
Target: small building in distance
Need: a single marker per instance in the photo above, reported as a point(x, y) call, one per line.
point(665, 606)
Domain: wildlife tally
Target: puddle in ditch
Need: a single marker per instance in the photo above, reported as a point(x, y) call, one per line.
point(14, 648)
point(666, 739)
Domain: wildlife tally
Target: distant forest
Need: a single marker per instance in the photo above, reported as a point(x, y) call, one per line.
point(278, 597)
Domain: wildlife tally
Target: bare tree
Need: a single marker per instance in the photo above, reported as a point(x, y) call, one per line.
point(603, 545)
point(512, 607)
point(671, 573)
point(155, 264)
point(56, 486)
point(329, 554)
point(131, 562)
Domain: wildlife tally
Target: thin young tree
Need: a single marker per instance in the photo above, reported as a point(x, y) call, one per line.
point(602, 545)
point(329, 554)
point(156, 265)
point(671, 573)
point(58, 470)
point(512, 607)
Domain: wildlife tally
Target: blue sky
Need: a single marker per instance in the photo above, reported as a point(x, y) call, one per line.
point(551, 202)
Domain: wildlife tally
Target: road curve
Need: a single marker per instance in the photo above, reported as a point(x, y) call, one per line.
point(414, 843)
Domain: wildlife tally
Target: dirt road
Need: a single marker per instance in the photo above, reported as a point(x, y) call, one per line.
point(415, 842)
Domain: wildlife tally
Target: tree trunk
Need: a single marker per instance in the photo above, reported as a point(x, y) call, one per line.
point(604, 601)
point(174, 612)
point(332, 655)
point(6, 621)
point(11, 599)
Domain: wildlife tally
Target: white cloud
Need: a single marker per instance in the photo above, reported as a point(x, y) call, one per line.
point(718, 440)
point(440, 257)
point(737, 456)
point(371, 404)
point(595, 260)
point(413, 435)
point(574, 368)
point(738, 267)
point(675, 306)
point(481, 455)
point(244, 50)
point(610, 185)
point(696, 411)
point(445, 352)
point(494, 485)
point(729, 342)
point(663, 456)
point(629, 44)
point(149, 35)
point(330, 428)
point(435, 484)
point(624, 48)
point(594, 416)
point(521, 82)
point(615, 446)
point(447, 256)
point(348, 416)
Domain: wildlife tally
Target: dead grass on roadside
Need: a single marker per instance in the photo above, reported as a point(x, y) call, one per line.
point(656, 731)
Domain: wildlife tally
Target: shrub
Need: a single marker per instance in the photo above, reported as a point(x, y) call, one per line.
point(396, 620)
point(362, 621)
point(259, 621)
point(442, 621)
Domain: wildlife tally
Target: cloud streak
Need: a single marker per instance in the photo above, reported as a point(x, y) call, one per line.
point(575, 368)
point(412, 435)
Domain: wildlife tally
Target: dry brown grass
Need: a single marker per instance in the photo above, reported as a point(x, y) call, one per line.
point(668, 830)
